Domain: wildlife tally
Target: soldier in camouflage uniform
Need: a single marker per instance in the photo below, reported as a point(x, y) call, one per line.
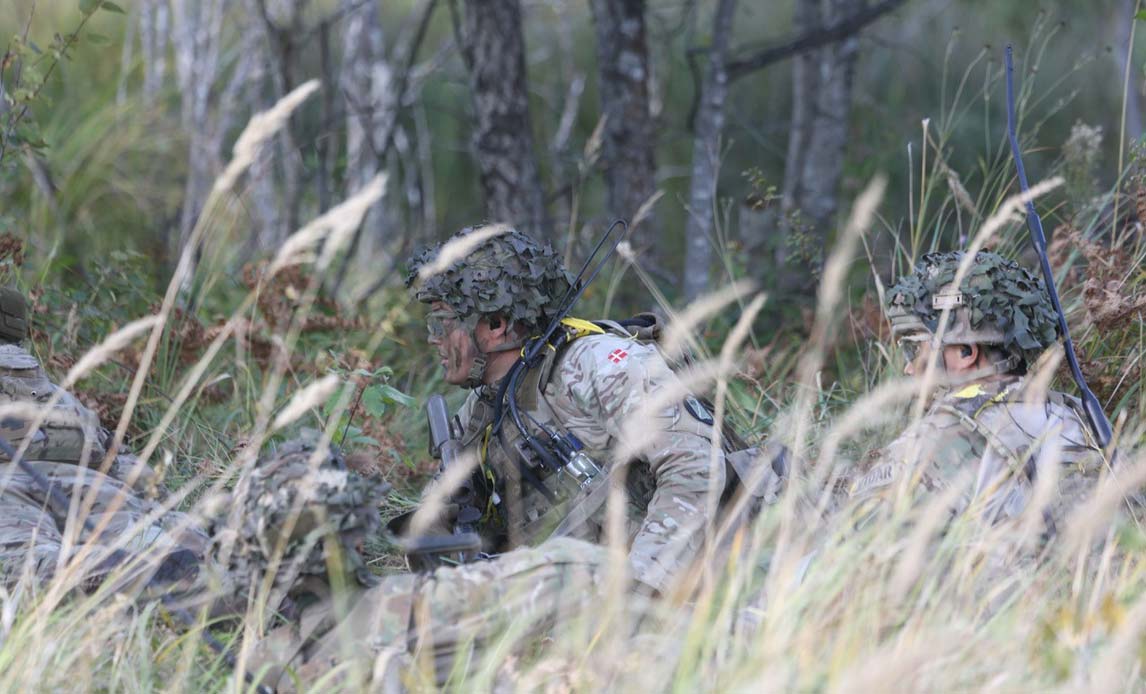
point(63, 449)
point(545, 526)
point(592, 385)
point(988, 428)
point(299, 518)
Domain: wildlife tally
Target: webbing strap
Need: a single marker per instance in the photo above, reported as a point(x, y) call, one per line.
point(582, 327)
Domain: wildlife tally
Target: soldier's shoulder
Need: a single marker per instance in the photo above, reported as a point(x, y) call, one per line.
point(607, 351)
point(1030, 416)
point(466, 411)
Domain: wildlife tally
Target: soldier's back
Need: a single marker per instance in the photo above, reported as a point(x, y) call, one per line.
point(995, 438)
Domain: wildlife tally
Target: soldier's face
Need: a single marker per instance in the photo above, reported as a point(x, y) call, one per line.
point(915, 354)
point(456, 349)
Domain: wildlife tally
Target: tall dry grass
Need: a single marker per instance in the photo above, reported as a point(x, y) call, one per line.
point(802, 599)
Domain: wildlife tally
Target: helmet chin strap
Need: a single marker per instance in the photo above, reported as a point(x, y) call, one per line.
point(476, 376)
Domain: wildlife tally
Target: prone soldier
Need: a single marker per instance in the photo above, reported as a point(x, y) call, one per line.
point(546, 436)
point(56, 464)
point(992, 426)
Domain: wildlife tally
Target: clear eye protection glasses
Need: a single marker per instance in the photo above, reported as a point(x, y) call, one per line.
point(440, 323)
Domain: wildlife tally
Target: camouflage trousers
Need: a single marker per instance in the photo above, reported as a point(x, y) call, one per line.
point(40, 541)
point(436, 621)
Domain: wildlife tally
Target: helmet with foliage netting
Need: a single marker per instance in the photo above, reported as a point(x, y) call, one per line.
point(299, 512)
point(509, 274)
point(998, 302)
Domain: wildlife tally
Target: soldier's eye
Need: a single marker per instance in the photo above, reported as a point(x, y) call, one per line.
point(910, 349)
point(439, 323)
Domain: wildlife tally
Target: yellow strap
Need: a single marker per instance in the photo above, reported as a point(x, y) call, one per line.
point(582, 327)
point(999, 397)
point(972, 391)
point(483, 462)
point(975, 390)
point(578, 327)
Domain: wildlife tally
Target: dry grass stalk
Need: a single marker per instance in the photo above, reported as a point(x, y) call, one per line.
point(458, 248)
point(111, 345)
point(679, 331)
point(311, 396)
point(260, 129)
point(334, 226)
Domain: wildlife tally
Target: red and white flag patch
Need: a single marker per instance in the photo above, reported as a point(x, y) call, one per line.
point(617, 356)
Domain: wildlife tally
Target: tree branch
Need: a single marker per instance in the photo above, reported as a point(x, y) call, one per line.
point(816, 38)
point(399, 91)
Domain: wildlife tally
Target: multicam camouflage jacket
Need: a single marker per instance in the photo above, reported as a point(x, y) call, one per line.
point(69, 432)
point(593, 389)
point(996, 436)
point(62, 449)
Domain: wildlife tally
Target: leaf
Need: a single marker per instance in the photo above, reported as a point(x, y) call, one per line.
point(393, 395)
point(32, 75)
point(98, 40)
point(111, 7)
point(1140, 15)
point(89, 6)
point(373, 402)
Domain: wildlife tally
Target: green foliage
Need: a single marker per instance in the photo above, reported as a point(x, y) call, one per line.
point(376, 399)
point(24, 72)
point(88, 7)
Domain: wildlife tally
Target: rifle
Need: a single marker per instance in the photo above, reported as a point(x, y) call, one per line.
point(1099, 424)
point(464, 542)
point(55, 498)
point(445, 445)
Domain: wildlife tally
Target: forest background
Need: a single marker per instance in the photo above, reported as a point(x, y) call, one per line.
point(734, 135)
point(559, 116)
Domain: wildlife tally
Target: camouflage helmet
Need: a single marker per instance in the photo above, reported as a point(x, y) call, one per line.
point(508, 274)
point(318, 500)
point(997, 303)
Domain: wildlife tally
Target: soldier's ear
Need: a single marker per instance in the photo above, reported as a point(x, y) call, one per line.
point(966, 358)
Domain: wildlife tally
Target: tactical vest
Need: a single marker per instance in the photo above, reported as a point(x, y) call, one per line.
point(572, 498)
point(69, 432)
point(1006, 436)
point(974, 406)
point(518, 512)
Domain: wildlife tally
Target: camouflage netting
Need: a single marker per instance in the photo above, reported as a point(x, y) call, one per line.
point(999, 296)
point(510, 275)
point(327, 500)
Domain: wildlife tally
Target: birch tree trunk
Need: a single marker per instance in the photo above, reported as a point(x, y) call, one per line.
point(706, 157)
point(493, 48)
point(822, 100)
point(196, 36)
point(1124, 20)
point(628, 150)
point(366, 84)
point(805, 85)
point(154, 33)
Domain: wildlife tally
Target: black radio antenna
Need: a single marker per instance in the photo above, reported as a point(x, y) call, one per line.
point(1099, 424)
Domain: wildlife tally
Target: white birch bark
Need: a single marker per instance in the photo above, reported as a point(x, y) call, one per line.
point(706, 158)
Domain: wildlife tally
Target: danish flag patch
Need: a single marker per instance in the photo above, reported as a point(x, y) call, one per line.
point(617, 356)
